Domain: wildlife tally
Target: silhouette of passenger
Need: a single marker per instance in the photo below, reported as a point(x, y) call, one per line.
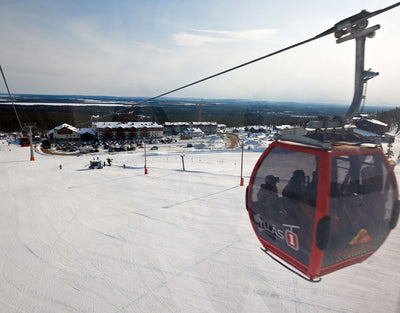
point(268, 190)
point(270, 183)
point(268, 199)
point(296, 188)
point(267, 207)
point(297, 204)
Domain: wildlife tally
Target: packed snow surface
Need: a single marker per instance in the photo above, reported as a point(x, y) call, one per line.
point(117, 240)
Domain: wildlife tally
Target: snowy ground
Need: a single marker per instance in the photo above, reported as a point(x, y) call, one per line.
point(116, 240)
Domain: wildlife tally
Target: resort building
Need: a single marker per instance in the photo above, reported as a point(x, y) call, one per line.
point(64, 132)
point(175, 128)
point(127, 131)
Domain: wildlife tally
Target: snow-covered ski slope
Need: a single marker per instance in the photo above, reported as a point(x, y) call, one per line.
point(116, 240)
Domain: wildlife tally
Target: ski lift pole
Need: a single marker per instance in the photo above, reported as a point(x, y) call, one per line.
point(241, 167)
point(183, 162)
point(30, 139)
point(28, 127)
point(145, 157)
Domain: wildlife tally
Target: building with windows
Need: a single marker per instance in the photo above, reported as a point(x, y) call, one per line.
point(193, 132)
point(64, 132)
point(175, 128)
point(127, 130)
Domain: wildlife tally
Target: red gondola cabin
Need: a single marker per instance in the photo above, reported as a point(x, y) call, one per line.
point(320, 209)
point(24, 142)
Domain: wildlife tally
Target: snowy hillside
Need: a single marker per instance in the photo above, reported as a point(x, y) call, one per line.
point(116, 240)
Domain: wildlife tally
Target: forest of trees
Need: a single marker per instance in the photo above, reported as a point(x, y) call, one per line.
point(232, 114)
point(391, 117)
point(47, 117)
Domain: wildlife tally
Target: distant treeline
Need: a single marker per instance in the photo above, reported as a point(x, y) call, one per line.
point(229, 112)
point(47, 117)
point(391, 117)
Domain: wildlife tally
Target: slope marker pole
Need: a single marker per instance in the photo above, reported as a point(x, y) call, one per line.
point(241, 166)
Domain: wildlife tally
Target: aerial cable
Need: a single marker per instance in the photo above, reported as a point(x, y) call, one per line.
point(353, 20)
point(348, 22)
point(11, 98)
point(223, 72)
point(233, 68)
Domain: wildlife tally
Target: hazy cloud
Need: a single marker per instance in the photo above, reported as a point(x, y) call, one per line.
point(200, 37)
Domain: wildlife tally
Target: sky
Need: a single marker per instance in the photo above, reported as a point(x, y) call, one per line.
point(145, 48)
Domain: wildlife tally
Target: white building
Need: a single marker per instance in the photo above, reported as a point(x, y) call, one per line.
point(64, 132)
point(193, 132)
point(127, 130)
point(174, 128)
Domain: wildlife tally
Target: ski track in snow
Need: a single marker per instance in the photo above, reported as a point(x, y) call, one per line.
point(199, 198)
point(189, 268)
point(116, 240)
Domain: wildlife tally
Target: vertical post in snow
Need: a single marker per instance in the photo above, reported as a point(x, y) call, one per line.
point(29, 127)
point(241, 167)
point(30, 139)
point(145, 161)
point(183, 162)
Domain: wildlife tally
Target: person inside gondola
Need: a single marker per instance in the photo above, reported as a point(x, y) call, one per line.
point(296, 188)
point(268, 194)
point(268, 205)
point(299, 208)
